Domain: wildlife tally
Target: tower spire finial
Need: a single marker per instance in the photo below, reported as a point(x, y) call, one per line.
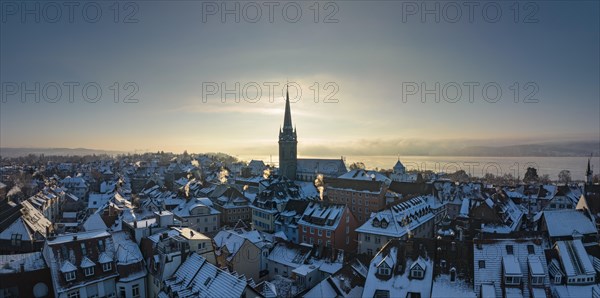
point(287, 119)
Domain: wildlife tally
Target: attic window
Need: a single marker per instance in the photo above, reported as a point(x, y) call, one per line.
point(530, 249)
point(417, 273)
point(376, 222)
point(384, 224)
point(509, 249)
point(481, 264)
point(15, 239)
point(69, 276)
point(383, 270)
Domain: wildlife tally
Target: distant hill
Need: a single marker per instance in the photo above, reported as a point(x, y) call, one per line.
point(16, 152)
point(541, 150)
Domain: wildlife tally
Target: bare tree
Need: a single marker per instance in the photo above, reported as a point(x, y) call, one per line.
point(564, 176)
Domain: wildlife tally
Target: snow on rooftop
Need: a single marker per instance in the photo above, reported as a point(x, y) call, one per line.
point(94, 222)
point(30, 262)
point(511, 265)
point(86, 262)
point(567, 222)
point(535, 265)
point(67, 267)
point(17, 227)
point(443, 287)
point(574, 258)
point(128, 252)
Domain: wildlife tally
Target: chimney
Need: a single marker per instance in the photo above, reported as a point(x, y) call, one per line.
point(74, 237)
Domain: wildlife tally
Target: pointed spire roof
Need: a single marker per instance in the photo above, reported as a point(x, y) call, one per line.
point(589, 168)
point(287, 120)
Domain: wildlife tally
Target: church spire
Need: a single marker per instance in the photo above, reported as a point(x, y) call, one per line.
point(287, 120)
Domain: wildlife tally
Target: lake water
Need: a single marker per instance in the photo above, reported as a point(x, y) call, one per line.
point(476, 166)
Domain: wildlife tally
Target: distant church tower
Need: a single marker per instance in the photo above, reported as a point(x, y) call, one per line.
point(288, 143)
point(589, 174)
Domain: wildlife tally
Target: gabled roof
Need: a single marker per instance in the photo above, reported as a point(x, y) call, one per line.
point(67, 267)
point(567, 222)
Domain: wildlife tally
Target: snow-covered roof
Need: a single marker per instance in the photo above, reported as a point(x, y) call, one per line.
point(30, 261)
point(511, 265)
point(86, 262)
point(128, 252)
point(322, 216)
point(290, 255)
point(185, 209)
point(397, 285)
point(568, 222)
point(360, 174)
point(401, 218)
point(443, 287)
point(80, 236)
point(67, 267)
point(94, 222)
point(574, 258)
point(535, 266)
point(199, 278)
point(491, 257)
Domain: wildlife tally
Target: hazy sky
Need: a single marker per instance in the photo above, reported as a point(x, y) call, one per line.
point(373, 55)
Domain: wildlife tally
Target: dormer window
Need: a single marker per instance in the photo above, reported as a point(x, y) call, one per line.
point(376, 222)
point(106, 267)
point(416, 273)
point(69, 276)
point(384, 270)
point(89, 271)
point(384, 224)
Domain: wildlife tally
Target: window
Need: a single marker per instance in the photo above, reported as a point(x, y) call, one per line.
point(74, 294)
point(370, 252)
point(312, 240)
point(89, 271)
point(348, 218)
point(122, 292)
point(304, 238)
point(509, 249)
point(377, 240)
point(101, 245)
point(69, 276)
point(384, 270)
point(367, 238)
point(319, 242)
point(347, 240)
point(328, 243)
point(108, 266)
point(319, 232)
point(328, 234)
point(512, 280)
point(15, 239)
point(481, 264)
point(312, 231)
point(304, 229)
point(537, 280)
point(530, 249)
point(416, 273)
point(453, 275)
point(136, 291)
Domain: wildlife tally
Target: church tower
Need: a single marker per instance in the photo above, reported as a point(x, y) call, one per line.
point(589, 174)
point(288, 142)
